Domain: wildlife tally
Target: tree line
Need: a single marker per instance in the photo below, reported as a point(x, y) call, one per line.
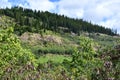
point(36, 21)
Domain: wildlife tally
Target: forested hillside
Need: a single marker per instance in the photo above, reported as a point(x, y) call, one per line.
point(36, 45)
point(35, 21)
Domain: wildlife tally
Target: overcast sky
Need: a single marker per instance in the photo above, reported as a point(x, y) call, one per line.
point(102, 12)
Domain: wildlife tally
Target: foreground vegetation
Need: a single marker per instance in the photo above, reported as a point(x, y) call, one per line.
point(84, 63)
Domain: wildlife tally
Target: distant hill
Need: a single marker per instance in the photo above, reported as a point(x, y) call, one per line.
point(28, 20)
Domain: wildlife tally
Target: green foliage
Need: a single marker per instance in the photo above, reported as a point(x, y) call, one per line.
point(83, 60)
point(11, 52)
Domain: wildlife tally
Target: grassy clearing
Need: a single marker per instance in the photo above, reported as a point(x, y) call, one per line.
point(55, 58)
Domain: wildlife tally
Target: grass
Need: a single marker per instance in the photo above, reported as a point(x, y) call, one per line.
point(55, 58)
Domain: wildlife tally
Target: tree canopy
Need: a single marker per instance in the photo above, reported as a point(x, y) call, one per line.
point(35, 21)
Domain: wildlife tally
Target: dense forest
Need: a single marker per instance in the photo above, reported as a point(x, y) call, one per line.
point(35, 21)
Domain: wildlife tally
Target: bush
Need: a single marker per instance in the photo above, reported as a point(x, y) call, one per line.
point(12, 54)
point(83, 60)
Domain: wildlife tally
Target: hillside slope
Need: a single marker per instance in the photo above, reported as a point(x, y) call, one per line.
point(55, 42)
point(50, 55)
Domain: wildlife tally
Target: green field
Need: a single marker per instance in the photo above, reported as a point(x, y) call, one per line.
point(55, 58)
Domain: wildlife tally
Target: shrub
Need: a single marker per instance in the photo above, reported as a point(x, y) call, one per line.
point(83, 60)
point(11, 52)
